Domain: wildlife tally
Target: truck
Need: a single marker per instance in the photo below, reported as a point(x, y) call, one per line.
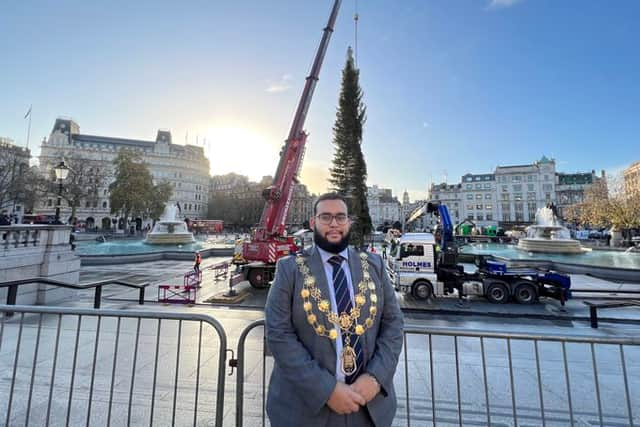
point(426, 265)
point(269, 241)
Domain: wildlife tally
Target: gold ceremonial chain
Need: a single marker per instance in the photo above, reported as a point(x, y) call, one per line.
point(348, 322)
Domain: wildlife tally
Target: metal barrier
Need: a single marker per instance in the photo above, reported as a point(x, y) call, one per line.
point(97, 298)
point(68, 366)
point(454, 376)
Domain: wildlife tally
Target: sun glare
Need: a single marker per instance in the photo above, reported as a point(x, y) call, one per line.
point(239, 150)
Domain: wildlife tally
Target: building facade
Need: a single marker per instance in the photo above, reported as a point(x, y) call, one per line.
point(631, 176)
point(571, 188)
point(512, 195)
point(383, 206)
point(239, 202)
point(184, 166)
point(14, 161)
point(478, 192)
point(451, 196)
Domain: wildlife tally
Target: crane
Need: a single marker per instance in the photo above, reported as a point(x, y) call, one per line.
point(269, 241)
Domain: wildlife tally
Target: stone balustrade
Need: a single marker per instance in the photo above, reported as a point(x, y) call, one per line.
point(38, 251)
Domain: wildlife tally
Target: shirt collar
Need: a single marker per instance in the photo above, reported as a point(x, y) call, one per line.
point(326, 255)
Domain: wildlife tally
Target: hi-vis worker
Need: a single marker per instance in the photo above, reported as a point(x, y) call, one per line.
point(198, 260)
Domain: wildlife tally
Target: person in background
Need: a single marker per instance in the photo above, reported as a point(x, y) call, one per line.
point(198, 260)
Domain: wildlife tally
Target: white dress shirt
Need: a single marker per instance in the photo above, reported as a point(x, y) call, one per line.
point(328, 270)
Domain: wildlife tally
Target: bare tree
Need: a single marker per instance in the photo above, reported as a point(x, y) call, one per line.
point(83, 183)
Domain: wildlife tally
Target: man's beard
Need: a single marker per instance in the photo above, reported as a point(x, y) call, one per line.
point(334, 248)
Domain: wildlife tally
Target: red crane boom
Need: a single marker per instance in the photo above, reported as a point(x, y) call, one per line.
point(268, 241)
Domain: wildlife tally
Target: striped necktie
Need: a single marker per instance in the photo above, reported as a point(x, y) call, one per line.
point(344, 305)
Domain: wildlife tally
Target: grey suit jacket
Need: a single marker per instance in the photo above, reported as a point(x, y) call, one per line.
point(303, 376)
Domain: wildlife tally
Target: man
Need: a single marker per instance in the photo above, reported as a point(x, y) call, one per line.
point(198, 260)
point(334, 328)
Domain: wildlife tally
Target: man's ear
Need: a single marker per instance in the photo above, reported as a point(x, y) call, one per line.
point(312, 223)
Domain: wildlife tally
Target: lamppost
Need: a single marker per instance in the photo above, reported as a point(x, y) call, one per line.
point(61, 174)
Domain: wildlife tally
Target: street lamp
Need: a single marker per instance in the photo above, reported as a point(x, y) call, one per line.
point(61, 174)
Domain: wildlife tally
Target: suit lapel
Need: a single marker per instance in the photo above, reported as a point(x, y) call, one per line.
point(318, 272)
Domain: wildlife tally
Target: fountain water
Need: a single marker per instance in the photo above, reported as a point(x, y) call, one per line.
point(549, 235)
point(169, 229)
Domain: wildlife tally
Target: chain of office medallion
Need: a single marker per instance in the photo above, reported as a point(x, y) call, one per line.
point(348, 322)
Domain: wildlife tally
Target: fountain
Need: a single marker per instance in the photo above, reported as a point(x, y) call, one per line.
point(549, 235)
point(169, 230)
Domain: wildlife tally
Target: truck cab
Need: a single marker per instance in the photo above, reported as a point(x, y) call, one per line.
point(411, 265)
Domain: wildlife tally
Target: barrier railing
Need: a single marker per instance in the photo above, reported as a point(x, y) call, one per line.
point(97, 286)
point(68, 366)
point(454, 376)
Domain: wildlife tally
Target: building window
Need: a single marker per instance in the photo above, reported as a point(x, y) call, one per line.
point(479, 207)
point(49, 202)
point(478, 186)
point(469, 207)
point(531, 196)
point(505, 188)
point(517, 187)
point(470, 217)
point(104, 205)
point(530, 178)
point(532, 211)
point(530, 186)
point(469, 186)
point(547, 187)
point(505, 196)
point(517, 196)
point(480, 217)
point(469, 196)
point(487, 196)
point(478, 196)
point(488, 207)
point(487, 186)
point(489, 217)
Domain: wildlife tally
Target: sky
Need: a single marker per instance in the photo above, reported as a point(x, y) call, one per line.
point(450, 87)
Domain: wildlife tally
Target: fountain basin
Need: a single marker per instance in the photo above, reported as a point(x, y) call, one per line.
point(561, 246)
point(605, 264)
point(169, 230)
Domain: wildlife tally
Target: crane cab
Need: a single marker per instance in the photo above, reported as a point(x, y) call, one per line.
point(411, 265)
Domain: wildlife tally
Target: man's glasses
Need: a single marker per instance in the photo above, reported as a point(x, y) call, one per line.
point(327, 219)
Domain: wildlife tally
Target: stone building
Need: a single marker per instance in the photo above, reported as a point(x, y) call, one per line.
point(570, 188)
point(184, 166)
point(383, 206)
point(522, 189)
point(239, 202)
point(631, 176)
point(512, 195)
point(14, 161)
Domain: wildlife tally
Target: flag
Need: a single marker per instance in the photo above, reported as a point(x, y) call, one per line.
point(28, 112)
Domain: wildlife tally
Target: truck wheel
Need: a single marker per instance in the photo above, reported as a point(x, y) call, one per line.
point(421, 290)
point(257, 278)
point(525, 293)
point(497, 292)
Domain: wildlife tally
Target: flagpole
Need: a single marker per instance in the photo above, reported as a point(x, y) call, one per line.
point(29, 128)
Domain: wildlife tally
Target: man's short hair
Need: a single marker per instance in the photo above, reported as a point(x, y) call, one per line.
point(328, 196)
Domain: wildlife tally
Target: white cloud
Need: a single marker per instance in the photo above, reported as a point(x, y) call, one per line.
point(501, 4)
point(281, 85)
